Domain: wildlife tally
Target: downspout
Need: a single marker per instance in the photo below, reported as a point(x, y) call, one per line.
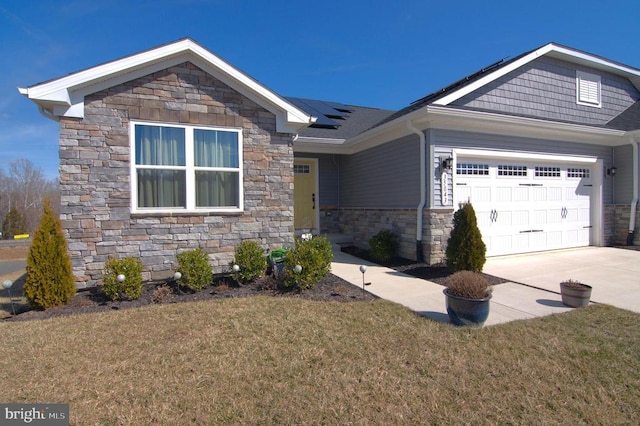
point(634, 202)
point(423, 197)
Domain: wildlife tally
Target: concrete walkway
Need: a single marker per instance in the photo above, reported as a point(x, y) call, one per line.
point(541, 272)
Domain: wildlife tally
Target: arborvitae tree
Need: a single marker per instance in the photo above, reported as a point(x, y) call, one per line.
point(465, 248)
point(14, 223)
point(49, 279)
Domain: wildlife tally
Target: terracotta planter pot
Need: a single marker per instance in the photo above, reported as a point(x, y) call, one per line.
point(575, 295)
point(464, 311)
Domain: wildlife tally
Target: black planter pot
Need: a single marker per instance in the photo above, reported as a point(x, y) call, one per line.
point(464, 311)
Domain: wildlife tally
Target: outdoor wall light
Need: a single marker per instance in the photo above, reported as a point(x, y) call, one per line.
point(612, 171)
point(447, 163)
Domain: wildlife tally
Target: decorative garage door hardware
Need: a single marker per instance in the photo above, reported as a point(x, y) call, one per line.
point(564, 212)
point(493, 216)
point(531, 230)
point(530, 184)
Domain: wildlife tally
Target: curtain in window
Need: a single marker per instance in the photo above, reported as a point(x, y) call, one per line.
point(216, 149)
point(160, 146)
point(161, 188)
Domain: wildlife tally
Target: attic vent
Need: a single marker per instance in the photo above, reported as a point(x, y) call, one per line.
point(588, 89)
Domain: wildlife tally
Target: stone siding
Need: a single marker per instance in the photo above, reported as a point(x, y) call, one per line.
point(362, 224)
point(617, 224)
point(95, 176)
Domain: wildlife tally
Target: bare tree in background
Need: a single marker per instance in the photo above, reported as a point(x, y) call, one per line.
point(25, 188)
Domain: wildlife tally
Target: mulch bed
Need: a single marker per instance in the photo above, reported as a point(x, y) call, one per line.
point(434, 273)
point(330, 288)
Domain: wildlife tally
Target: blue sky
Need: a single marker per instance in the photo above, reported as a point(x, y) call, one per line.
point(383, 54)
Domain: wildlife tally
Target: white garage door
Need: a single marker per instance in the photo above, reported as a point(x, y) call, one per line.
point(527, 206)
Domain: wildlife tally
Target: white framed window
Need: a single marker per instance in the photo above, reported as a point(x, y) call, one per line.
point(588, 89)
point(544, 171)
point(578, 173)
point(472, 169)
point(185, 168)
point(512, 170)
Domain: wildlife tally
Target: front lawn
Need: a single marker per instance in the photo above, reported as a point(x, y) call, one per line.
point(265, 360)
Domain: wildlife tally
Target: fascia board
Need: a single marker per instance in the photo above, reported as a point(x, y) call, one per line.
point(94, 79)
point(484, 122)
point(552, 50)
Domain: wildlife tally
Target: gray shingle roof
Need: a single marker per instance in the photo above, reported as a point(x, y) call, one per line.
point(627, 120)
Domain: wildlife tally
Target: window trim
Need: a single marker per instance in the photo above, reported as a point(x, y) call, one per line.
point(583, 77)
point(190, 169)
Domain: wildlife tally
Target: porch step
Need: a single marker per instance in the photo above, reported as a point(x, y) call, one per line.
point(340, 240)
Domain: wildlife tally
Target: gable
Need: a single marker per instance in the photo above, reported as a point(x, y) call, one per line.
point(548, 88)
point(64, 97)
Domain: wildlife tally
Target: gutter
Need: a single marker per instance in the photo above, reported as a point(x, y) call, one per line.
point(635, 138)
point(423, 199)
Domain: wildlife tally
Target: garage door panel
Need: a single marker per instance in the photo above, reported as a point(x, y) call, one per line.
point(525, 206)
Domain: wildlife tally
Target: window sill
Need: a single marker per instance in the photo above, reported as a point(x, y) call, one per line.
point(184, 213)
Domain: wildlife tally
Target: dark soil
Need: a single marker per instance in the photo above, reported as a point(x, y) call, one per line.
point(330, 288)
point(435, 273)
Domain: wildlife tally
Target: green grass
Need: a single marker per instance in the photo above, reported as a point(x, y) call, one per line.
point(288, 361)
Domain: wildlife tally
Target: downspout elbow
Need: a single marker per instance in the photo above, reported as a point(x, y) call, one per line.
point(423, 197)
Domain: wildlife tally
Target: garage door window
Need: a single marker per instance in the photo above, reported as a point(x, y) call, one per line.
point(512, 170)
point(577, 173)
point(472, 169)
point(547, 172)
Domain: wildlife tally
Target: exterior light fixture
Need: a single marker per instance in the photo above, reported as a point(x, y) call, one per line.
point(177, 275)
point(612, 171)
point(7, 286)
point(297, 269)
point(447, 163)
point(363, 269)
point(121, 278)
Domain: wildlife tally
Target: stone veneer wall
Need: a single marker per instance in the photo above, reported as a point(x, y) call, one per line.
point(617, 224)
point(95, 176)
point(362, 224)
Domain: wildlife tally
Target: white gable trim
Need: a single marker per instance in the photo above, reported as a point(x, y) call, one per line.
point(65, 96)
point(551, 50)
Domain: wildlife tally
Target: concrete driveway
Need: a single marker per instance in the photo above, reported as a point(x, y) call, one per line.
point(613, 273)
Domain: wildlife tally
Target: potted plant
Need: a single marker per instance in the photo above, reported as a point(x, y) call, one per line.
point(575, 294)
point(467, 298)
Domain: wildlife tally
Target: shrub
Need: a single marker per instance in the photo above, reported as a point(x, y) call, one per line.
point(468, 284)
point(195, 269)
point(314, 256)
point(49, 280)
point(251, 259)
point(384, 245)
point(14, 223)
point(161, 293)
point(131, 287)
point(465, 248)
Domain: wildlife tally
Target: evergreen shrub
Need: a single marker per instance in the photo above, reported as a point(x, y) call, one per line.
point(195, 269)
point(131, 287)
point(465, 249)
point(384, 245)
point(14, 223)
point(314, 256)
point(49, 280)
point(251, 259)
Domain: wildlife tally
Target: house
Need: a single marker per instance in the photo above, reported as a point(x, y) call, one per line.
point(173, 148)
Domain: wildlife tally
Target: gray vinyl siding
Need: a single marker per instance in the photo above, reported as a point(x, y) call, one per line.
point(385, 176)
point(447, 140)
point(623, 159)
point(546, 88)
point(328, 178)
